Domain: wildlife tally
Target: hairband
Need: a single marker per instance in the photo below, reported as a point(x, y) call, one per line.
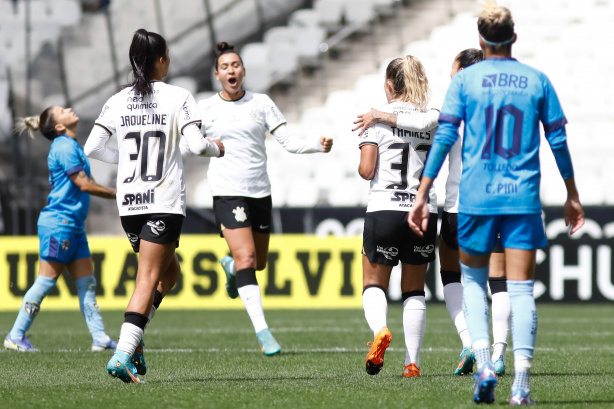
point(494, 44)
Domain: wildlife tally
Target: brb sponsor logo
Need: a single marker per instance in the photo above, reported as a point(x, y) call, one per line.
point(505, 80)
point(137, 199)
point(388, 252)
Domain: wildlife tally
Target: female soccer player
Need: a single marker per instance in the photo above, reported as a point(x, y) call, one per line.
point(240, 183)
point(501, 102)
point(448, 243)
point(148, 117)
point(61, 229)
point(393, 160)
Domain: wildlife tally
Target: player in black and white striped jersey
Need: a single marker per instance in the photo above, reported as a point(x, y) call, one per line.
point(148, 118)
point(240, 183)
point(393, 159)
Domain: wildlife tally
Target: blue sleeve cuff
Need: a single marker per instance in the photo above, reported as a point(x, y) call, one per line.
point(556, 125)
point(452, 119)
point(74, 170)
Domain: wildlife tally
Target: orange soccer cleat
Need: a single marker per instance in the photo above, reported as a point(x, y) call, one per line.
point(375, 357)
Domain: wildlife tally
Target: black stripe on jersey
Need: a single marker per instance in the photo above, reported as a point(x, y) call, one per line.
point(198, 121)
point(367, 143)
point(277, 127)
point(103, 127)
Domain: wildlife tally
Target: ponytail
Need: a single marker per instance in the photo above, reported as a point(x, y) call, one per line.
point(146, 48)
point(409, 80)
point(44, 123)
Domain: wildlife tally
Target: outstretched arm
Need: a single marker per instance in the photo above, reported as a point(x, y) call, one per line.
point(417, 122)
point(297, 145)
point(89, 185)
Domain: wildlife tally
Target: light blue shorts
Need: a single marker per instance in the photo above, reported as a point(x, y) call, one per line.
point(62, 246)
point(477, 235)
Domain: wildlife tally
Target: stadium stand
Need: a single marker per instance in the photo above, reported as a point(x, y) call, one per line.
point(329, 55)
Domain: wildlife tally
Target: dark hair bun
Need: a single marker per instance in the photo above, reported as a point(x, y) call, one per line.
point(223, 47)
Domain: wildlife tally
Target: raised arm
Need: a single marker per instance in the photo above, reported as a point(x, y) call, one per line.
point(411, 122)
point(297, 145)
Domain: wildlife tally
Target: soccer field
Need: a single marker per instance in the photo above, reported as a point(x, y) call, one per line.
point(211, 359)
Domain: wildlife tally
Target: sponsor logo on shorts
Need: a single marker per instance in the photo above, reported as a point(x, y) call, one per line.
point(240, 215)
point(388, 252)
point(31, 308)
point(65, 245)
point(425, 251)
point(157, 226)
point(132, 237)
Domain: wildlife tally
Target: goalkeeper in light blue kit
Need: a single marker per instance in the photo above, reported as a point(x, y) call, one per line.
point(501, 101)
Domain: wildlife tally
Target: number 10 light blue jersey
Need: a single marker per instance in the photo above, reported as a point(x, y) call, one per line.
point(501, 102)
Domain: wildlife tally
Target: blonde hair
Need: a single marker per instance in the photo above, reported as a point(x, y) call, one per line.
point(29, 123)
point(495, 24)
point(409, 80)
point(45, 123)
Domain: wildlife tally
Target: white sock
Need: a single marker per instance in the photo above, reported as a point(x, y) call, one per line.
point(250, 295)
point(414, 324)
point(453, 295)
point(129, 338)
point(501, 311)
point(375, 305)
point(152, 313)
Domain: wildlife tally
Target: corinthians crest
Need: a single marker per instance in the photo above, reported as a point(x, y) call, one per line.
point(240, 215)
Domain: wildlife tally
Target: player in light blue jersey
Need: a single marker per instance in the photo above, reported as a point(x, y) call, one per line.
point(501, 103)
point(61, 230)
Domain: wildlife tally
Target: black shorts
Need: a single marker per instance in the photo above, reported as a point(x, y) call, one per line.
point(388, 239)
point(498, 248)
point(234, 212)
point(161, 228)
point(449, 229)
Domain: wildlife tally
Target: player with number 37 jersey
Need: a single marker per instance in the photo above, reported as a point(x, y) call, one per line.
point(149, 173)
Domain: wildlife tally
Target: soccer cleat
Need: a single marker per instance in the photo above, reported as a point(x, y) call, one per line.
point(465, 366)
point(119, 366)
point(267, 342)
point(138, 359)
point(410, 371)
point(485, 382)
point(231, 279)
point(375, 358)
point(99, 345)
point(521, 397)
point(18, 344)
point(499, 365)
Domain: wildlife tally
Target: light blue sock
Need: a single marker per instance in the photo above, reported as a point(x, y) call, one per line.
point(31, 305)
point(475, 307)
point(86, 288)
point(524, 317)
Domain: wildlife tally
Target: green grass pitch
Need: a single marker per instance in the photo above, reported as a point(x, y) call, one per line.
point(211, 359)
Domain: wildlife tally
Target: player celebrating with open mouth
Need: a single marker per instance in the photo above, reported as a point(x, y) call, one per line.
point(240, 183)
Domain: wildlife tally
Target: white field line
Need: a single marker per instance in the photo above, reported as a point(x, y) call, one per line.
point(329, 350)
